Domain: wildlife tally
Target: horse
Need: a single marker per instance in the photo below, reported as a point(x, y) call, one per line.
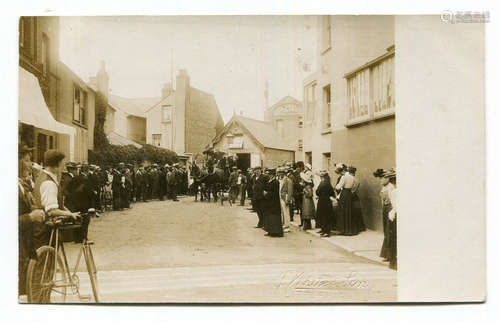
point(210, 184)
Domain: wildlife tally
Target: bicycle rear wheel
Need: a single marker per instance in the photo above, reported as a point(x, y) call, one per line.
point(42, 285)
point(92, 270)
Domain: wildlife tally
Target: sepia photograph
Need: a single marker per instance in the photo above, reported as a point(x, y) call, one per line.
point(228, 159)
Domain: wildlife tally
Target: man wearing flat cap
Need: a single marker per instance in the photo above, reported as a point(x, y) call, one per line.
point(46, 195)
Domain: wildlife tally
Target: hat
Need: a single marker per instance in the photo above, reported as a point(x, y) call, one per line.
point(235, 168)
point(72, 165)
point(257, 167)
point(323, 173)
point(306, 176)
point(280, 170)
point(379, 173)
point(308, 166)
point(352, 169)
point(390, 173)
point(340, 167)
point(36, 166)
point(271, 170)
point(23, 149)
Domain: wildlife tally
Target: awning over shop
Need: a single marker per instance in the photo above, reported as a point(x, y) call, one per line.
point(34, 111)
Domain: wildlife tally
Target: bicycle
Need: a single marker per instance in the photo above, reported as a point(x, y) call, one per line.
point(49, 276)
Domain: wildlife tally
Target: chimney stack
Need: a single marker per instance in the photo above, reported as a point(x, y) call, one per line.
point(103, 80)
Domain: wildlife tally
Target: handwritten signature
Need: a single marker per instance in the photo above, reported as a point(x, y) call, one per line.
point(298, 281)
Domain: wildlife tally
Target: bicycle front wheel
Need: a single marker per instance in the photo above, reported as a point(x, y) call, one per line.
point(92, 270)
point(43, 285)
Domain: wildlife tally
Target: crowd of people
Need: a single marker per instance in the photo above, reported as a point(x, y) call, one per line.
point(66, 190)
point(87, 186)
point(277, 195)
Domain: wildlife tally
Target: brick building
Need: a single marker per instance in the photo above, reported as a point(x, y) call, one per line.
point(56, 109)
point(286, 116)
point(184, 119)
point(254, 142)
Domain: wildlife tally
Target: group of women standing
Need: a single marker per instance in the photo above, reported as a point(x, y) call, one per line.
point(338, 207)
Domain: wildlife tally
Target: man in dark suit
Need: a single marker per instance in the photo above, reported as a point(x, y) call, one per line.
point(233, 185)
point(172, 184)
point(251, 182)
point(116, 186)
point(139, 183)
point(79, 198)
point(66, 178)
point(258, 188)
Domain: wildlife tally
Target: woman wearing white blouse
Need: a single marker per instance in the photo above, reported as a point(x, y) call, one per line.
point(345, 223)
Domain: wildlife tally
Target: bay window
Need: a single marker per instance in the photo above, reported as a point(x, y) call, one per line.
point(370, 90)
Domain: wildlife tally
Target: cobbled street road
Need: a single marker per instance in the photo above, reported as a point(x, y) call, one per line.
point(194, 252)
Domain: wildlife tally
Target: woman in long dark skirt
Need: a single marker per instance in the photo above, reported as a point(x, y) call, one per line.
point(345, 223)
point(324, 212)
point(357, 214)
point(387, 187)
point(392, 247)
point(273, 224)
point(308, 209)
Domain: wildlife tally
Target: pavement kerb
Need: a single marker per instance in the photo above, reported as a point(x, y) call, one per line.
point(341, 245)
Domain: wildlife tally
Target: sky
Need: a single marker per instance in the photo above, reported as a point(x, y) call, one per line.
point(232, 57)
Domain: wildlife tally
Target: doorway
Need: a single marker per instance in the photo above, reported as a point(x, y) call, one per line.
point(243, 162)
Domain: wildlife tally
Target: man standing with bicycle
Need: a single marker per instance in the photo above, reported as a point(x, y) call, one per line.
point(47, 197)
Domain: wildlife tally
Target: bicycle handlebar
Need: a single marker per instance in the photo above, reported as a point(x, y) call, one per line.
point(64, 220)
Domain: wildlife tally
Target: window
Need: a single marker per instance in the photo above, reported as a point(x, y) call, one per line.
point(83, 108)
point(279, 127)
point(310, 100)
point(157, 139)
point(300, 145)
point(45, 54)
point(80, 105)
point(76, 104)
point(327, 113)
point(300, 122)
point(235, 142)
point(27, 35)
point(166, 113)
point(41, 147)
point(309, 158)
point(358, 95)
point(326, 161)
point(326, 33)
point(370, 91)
point(383, 86)
point(230, 139)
